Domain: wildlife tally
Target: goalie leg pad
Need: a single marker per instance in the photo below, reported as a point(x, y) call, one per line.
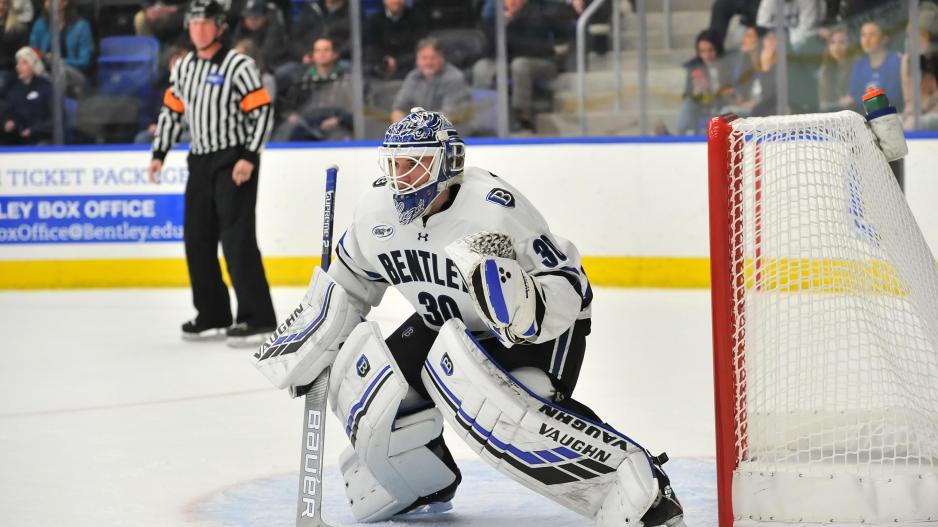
point(567, 458)
point(395, 462)
point(306, 343)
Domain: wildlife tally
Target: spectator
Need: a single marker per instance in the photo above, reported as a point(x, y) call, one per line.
point(926, 49)
point(802, 19)
point(765, 89)
point(877, 68)
point(77, 43)
point(723, 11)
point(24, 11)
point(744, 67)
point(28, 117)
point(929, 118)
point(263, 25)
point(321, 18)
point(317, 105)
point(448, 14)
point(283, 8)
point(13, 36)
point(891, 15)
point(834, 75)
point(248, 47)
point(567, 11)
point(162, 19)
point(707, 75)
point(435, 85)
point(390, 37)
point(535, 45)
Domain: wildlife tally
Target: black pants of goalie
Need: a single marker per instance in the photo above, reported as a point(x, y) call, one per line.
point(560, 359)
point(217, 210)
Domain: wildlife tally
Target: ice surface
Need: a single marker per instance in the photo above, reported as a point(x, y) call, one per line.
point(107, 418)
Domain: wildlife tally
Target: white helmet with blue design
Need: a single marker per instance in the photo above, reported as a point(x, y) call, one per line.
point(422, 155)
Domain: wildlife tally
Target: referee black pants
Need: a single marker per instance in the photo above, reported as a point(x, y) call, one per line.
point(216, 210)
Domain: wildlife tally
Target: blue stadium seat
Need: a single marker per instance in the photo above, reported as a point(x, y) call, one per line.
point(485, 103)
point(370, 7)
point(127, 66)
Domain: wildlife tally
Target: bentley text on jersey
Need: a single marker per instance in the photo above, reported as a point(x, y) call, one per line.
point(411, 265)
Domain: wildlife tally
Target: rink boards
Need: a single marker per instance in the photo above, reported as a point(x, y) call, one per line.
point(637, 209)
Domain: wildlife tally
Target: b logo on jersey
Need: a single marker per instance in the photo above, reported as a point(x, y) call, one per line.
point(382, 231)
point(362, 366)
point(500, 196)
point(447, 364)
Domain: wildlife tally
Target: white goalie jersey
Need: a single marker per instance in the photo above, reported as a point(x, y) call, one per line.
point(377, 251)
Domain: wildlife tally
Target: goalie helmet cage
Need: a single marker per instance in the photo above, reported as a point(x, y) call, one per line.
point(825, 328)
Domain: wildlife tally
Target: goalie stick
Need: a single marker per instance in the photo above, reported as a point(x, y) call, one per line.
point(309, 500)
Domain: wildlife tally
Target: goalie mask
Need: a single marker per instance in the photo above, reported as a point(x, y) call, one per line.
point(421, 156)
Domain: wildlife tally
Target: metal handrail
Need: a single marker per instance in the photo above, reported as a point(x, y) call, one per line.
point(668, 29)
point(581, 22)
point(642, 67)
point(915, 64)
point(501, 68)
point(358, 81)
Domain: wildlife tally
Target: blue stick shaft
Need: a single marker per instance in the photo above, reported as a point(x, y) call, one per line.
point(328, 218)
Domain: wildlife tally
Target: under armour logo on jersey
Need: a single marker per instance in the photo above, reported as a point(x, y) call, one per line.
point(447, 364)
point(362, 366)
point(423, 236)
point(500, 196)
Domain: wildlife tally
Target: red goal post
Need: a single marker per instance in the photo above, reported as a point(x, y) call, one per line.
point(825, 328)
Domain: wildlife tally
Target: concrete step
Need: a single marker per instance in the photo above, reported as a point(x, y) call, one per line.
point(657, 59)
point(602, 123)
point(669, 80)
point(656, 40)
point(679, 5)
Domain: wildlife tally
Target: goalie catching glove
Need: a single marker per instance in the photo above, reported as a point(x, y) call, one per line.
point(307, 342)
point(506, 297)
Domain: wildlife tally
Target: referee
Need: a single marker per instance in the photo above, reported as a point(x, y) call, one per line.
point(219, 93)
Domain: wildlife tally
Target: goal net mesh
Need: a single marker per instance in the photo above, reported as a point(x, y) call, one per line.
point(835, 303)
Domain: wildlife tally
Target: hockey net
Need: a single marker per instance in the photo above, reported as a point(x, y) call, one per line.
point(825, 316)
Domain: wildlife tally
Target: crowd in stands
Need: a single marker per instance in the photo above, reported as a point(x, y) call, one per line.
point(440, 54)
point(836, 51)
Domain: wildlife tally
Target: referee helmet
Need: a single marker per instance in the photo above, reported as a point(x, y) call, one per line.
point(207, 9)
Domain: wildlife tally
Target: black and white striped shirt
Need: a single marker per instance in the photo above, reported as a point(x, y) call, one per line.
point(224, 104)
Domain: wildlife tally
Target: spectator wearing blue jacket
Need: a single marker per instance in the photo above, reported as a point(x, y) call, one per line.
point(878, 68)
point(78, 43)
point(28, 117)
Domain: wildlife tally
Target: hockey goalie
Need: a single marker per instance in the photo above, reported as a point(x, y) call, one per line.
point(494, 347)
